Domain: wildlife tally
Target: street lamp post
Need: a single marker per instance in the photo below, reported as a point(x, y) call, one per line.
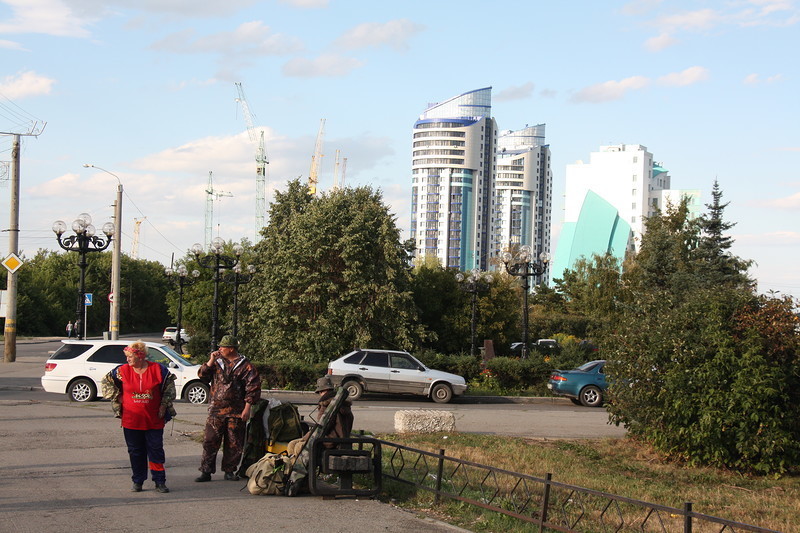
point(116, 260)
point(183, 280)
point(216, 261)
point(83, 241)
point(236, 278)
point(522, 266)
point(474, 283)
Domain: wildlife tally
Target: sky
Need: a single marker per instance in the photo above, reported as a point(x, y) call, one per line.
point(145, 90)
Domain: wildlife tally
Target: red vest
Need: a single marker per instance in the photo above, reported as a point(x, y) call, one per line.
point(141, 397)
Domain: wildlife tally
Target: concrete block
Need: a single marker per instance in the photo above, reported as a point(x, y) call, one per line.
point(424, 421)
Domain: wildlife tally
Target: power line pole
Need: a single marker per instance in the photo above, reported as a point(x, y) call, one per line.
point(10, 330)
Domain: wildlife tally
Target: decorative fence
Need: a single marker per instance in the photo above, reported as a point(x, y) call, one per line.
point(549, 504)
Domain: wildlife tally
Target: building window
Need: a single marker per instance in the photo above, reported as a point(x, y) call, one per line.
point(633, 192)
point(633, 205)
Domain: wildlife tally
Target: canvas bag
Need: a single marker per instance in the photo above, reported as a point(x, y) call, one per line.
point(268, 475)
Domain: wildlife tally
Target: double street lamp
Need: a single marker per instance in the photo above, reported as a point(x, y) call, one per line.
point(215, 260)
point(474, 283)
point(182, 280)
point(236, 278)
point(523, 266)
point(83, 241)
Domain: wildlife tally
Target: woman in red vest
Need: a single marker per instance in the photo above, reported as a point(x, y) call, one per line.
point(141, 394)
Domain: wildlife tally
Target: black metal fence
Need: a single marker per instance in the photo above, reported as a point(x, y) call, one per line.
point(549, 504)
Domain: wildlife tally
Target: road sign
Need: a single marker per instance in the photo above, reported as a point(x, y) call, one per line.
point(87, 299)
point(111, 297)
point(12, 262)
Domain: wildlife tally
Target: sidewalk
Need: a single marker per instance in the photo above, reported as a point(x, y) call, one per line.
point(65, 468)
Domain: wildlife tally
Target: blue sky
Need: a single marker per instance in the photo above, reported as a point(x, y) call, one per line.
point(145, 89)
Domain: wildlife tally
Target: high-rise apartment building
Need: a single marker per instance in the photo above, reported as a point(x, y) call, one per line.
point(608, 200)
point(464, 210)
point(523, 191)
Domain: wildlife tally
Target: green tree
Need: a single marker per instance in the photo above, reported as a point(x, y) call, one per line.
point(703, 369)
point(332, 276)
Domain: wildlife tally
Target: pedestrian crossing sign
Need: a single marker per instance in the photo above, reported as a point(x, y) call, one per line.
point(87, 299)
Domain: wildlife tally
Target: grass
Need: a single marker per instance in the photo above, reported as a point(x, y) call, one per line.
point(618, 466)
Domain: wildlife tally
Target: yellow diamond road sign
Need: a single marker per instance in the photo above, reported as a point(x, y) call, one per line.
point(12, 262)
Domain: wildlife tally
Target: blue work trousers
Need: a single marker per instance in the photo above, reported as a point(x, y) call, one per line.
point(146, 451)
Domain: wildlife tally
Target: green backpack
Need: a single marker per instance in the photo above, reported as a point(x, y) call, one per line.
point(284, 424)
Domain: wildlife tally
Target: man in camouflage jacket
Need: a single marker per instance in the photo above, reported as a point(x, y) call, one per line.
point(235, 387)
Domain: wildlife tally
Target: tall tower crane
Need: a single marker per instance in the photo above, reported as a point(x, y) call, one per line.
point(316, 159)
point(261, 160)
point(137, 227)
point(211, 195)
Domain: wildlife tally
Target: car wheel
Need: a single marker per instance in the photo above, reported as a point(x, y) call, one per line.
point(575, 401)
point(354, 389)
point(591, 396)
point(441, 393)
point(82, 390)
point(197, 393)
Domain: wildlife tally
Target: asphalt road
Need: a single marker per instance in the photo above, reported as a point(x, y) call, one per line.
point(64, 467)
point(541, 418)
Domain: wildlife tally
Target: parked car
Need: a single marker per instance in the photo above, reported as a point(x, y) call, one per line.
point(170, 335)
point(584, 386)
point(78, 366)
point(393, 372)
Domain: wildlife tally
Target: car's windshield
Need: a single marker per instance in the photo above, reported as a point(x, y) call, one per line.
point(179, 358)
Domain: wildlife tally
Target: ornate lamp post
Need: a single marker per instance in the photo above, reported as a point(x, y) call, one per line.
point(216, 261)
point(83, 241)
point(473, 283)
point(182, 280)
point(236, 278)
point(522, 266)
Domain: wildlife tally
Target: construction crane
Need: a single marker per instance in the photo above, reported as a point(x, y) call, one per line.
point(211, 195)
point(261, 161)
point(316, 159)
point(137, 227)
point(339, 169)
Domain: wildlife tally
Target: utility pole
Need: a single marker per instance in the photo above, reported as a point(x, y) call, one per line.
point(10, 330)
point(116, 270)
point(116, 259)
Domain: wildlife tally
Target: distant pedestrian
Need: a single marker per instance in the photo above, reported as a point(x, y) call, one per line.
point(235, 387)
point(141, 394)
point(69, 329)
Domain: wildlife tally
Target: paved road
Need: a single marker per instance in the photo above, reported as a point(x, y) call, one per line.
point(63, 466)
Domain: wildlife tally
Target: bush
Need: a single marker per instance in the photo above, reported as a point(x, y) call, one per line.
point(290, 374)
point(465, 366)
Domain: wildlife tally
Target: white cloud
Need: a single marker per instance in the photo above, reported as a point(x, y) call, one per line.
point(755, 79)
point(306, 4)
point(610, 90)
point(326, 65)
point(791, 202)
point(25, 84)
point(249, 38)
point(11, 45)
point(518, 92)
point(49, 17)
point(702, 19)
point(686, 77)
point(395, 34)
point(656, 44)
point(639, 7)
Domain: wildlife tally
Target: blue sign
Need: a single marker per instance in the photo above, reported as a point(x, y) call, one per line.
point(87, 299)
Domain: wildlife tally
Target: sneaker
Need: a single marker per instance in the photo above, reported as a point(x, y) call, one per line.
point(137, 487)
point(162, 488)
point(230, 476)
point(205, 476)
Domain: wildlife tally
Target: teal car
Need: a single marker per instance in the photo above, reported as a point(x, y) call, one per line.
point(583, 386)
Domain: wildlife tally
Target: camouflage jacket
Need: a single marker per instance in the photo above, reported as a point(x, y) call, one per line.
point(232, 384)
point(111, 386)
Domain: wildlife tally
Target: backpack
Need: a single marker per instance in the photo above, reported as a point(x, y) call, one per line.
point(268, 475)
point(284, 424)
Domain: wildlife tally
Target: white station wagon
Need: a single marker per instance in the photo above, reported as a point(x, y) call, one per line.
point(78, 366)
point(394, 373)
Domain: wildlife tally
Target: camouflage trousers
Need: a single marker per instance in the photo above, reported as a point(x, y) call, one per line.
point(227, 432)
